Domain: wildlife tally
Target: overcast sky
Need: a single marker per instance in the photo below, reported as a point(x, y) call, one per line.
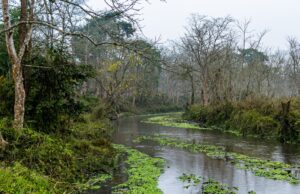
point(167, 19)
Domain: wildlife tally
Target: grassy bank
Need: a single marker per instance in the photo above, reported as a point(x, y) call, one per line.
point(265, 168)
point(35, 162)
point(262, 118)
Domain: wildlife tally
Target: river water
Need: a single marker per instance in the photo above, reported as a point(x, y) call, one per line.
point(180, 161)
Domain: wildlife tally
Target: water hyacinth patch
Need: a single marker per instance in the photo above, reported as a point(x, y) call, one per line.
point(191, 179)
point(212, 186)
point(208, 186)
point(264, 168)
point(143, 172)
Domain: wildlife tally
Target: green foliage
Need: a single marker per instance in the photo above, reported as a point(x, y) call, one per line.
point(21, 180)
point(103, 110)
point(214, 187)
point(143, 173)
point(269, 169)
point(252, 122)
point(6, 96)
point(191, 179)
point(209, 115)
point(150, 102)
point(197, 113)
point(256, 117)
point(52, 100)
point(209, 186)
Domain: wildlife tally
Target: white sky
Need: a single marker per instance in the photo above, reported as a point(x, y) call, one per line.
point(167, 19)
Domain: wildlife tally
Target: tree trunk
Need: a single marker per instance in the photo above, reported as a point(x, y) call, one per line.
point(23, 17)
point(133, 101)
point(16, 60)
point(285, 125)
point(205, 95)
point(193, 90)
point(19, 107)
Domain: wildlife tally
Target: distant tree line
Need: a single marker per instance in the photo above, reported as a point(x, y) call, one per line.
point(220, 59)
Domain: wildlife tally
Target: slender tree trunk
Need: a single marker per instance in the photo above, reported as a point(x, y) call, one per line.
point(133, 101)
point(23, 17)
point(193, 90)
point(19, 107)
point(16, 60)
point(205, 92)
point(285, 134)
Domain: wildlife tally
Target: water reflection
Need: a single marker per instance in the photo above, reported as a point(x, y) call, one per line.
point(179, 161)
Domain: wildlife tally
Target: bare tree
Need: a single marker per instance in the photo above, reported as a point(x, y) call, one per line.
point(294, 63)
point(56, 19)
point(205, 40)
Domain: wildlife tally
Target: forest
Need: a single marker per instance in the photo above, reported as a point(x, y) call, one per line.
point(89, 104)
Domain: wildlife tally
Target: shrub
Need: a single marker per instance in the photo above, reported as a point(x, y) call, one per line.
point(259, 117)
point(254, 123)
point(197, 113)
point(219, 114)
point(209, 115)
point(52, 100)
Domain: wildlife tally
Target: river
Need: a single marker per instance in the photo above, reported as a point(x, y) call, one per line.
point(180, 161)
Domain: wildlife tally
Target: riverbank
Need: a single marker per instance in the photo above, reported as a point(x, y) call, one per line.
point(261, 118)
point(83, 159)
point(35, 162)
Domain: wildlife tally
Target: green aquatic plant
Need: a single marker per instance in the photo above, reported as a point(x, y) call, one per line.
point(265, 168)
point(171, 121)
point(212, 186)
point(191, 179)
point(209, 186)
point(95, 182)
point(143, 172)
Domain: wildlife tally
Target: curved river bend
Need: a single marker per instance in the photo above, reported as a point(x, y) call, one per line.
point(179, 161)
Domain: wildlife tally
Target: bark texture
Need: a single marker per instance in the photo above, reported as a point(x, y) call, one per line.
point(16, 60)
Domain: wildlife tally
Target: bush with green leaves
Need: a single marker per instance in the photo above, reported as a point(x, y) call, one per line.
point(252, 122)
point(52, 99)
point(256, 117)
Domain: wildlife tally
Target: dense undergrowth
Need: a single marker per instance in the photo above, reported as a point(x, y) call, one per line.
point(143, 172)
point(34, 162)
point(262, 118)
point(265, 168)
